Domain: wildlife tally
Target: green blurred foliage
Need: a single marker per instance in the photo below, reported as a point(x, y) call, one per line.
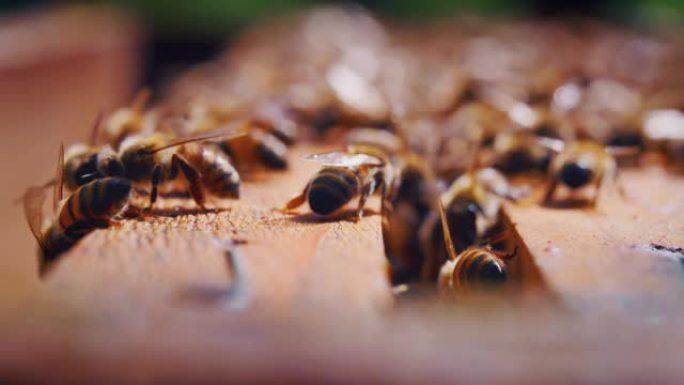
point(221, 16)
point(218, 16)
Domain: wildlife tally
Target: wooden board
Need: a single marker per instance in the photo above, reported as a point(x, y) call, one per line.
point(145, 301)
point(605, 257)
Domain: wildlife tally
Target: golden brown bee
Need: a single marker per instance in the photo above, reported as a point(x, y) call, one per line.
point(81, 160)
point(474, 269)
point(406, 207)
point(258, 147)
point(582, 163)
point(129, 120)
point(344, 176)
point(472, 204)
point(91, 206)
point(269, 132)
point(80, 166)
point(411, 190)
point(143, 160)
point(520, 151)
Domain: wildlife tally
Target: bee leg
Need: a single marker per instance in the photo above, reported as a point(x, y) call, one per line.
point(600, 178)
point(550, 190)
point(192, 176)
point(296, 201)
point(157, 176)
point(617, 181)
point(366, 191)
point(504, 255)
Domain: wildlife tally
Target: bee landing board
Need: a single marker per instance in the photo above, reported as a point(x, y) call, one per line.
point(147, 288)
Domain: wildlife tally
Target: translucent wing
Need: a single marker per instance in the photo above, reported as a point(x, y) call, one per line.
point(34, 197)
point(451, 249)
point(555, 145)
point(343, 159)
point(59, 179)
point(95, 130)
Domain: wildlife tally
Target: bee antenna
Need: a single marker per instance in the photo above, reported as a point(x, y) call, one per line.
point(197, 139)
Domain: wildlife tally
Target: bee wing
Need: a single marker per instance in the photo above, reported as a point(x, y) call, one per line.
point(343, 159)
point(555, 145)
point(59, 179)
point(451, 249)
point(95, 130)
point(33, 199)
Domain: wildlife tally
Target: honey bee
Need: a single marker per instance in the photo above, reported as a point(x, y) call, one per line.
point(268, 134)
point(579, 164)
point(472, 204)
point(410, 193)
point(129, 120)
point(407, 205)
point(143, 160)
point(84, 162)
point(474, 269)
point(257, 147)
point(520, 151)
point(344, 176)
point(90, 207)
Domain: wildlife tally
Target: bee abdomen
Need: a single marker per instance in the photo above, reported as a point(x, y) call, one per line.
point(272, 152)
point(99, 199)
point(575, 175)
point(331, 189)
point(219, 176)
point(477, 269)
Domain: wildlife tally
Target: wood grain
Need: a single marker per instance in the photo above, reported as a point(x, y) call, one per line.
point(145, 302)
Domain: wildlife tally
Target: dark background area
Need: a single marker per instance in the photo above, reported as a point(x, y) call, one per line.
point(181, 33)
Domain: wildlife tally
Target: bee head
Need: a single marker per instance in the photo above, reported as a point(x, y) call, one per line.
point(86, 171)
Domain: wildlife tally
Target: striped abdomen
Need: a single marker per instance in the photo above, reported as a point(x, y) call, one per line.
point(474, 269)
point(93, 204)
point(218, 174)
point(271, 151)
point(331, 189)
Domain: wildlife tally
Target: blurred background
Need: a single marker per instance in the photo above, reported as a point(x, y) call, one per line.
point(61, 62)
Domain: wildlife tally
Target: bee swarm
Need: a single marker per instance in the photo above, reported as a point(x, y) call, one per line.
point(502, 161)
